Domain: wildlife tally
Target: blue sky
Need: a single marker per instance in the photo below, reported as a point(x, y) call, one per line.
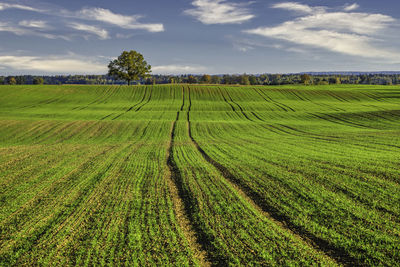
point(200, 36)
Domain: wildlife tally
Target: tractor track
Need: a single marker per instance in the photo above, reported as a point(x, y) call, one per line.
point(337, 254)
point(130, 108)
point(183, 203)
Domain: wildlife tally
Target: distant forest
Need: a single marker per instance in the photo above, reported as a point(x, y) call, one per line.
point(243, 79)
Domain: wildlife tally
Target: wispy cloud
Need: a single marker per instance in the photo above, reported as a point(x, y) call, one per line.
point(294, 6)
point(38, 24)
point(243, 47)
point(123, 21)
point(178, 69)
point(18, 30)
point(100, 15)
point(52, 64)
point(351, 7)
point(346, 33)
point(246, 45)
point(219, 12)
point(124, 36)
point(101, 33)
point(4, 6)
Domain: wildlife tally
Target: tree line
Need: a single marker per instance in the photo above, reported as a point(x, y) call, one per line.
point(131, 67)
point(239, 79)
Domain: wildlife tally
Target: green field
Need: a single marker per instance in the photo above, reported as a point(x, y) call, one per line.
point(200, 175)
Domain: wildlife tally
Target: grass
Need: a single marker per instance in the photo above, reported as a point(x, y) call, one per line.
point(199, 175)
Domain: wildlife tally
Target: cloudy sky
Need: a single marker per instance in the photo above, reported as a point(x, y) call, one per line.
point(200, 36)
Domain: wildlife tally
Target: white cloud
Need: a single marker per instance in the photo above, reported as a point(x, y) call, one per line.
point(346, 33)
point(296, 50)
point(39, 24)
point(4, 6)
point(123, 21)
point(17, 30)
point(60, 65)
point(351, 7)
point(177, 69)
point(6, 27)
point(245, 45)
point(360, 23)
point(294, 6)
point(242, 47)
point(219, 12)
point(90, 14)
point(124, 36)
point(101, 33)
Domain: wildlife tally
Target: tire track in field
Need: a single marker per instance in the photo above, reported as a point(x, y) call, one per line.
point(308, 134)
point(280, 130)
point(130, 108)
point(255, 115)
point(337, 96)
point(240, 108)
point(339, 120)
point(271, 127)
point(337, 254)
point(112, 93)
point(148, 100)
point(183, 203)
point(105, 101)
point(104, 97)
point(282, 106)
point(183, 98)
point(222, 94)
point(233, 108)
point(104, 94)
point(43, 102)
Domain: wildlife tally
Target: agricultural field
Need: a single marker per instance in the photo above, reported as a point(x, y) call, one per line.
point(200, 175)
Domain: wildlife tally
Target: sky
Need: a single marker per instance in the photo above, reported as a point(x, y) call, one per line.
point(200, 36)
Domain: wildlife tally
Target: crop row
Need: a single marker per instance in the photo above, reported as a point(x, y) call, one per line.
point(199, 175)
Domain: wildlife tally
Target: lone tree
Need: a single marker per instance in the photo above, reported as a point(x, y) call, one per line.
point(129, 66)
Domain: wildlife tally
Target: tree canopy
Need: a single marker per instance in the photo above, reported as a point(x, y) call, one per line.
point(38, 80)
point(129, 66)
point(305, 78)
point(206, 78)
point(12, 81)
point(263, 79)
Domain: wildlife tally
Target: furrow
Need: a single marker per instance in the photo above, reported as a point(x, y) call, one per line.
point(132, 107)
point(182, 205)
point(240, 108)
point(339, 255)
point(148, 100)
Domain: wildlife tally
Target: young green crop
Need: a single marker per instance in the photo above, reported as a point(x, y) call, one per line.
point(199, 175)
